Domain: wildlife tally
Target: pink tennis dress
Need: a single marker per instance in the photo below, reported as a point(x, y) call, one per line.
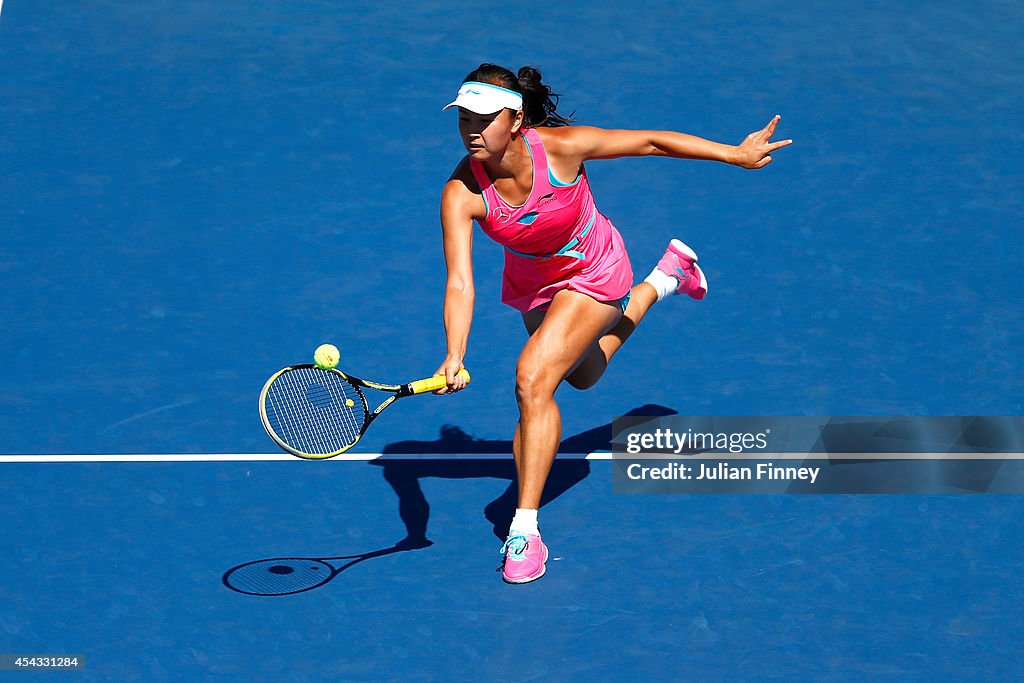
point(556, 240)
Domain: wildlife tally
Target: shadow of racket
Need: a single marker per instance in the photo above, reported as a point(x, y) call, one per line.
point(291, 575)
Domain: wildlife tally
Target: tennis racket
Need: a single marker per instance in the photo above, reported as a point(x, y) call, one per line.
point(317, 414)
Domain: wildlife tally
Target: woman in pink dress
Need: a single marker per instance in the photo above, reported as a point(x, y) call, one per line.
point(566, 269)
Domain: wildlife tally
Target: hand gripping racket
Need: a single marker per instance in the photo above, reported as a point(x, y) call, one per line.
point(317, 414)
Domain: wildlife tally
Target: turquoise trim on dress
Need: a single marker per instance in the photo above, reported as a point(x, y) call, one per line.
point(555, 182)
point(569, 249)
point(623, 303)
point(533, 183)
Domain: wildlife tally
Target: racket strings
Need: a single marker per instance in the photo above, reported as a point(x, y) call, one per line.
point(332, 415)
point(309, 410)
point(318, 419)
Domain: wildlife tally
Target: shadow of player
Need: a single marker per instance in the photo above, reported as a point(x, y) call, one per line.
point(405, 473)
point(404, 466)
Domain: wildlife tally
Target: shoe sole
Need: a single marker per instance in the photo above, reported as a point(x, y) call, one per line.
point(703, 281)
point(682, 249)
point(516, 582)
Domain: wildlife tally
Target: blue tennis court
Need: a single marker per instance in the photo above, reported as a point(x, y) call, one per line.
point(193, 195)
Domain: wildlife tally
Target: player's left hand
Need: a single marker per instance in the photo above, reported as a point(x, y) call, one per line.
point(756, 150)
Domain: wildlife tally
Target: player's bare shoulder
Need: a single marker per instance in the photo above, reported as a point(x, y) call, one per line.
point(567, 148)
point(462, 194)
point(464, 173)
point(570, 143)
point(555, 139)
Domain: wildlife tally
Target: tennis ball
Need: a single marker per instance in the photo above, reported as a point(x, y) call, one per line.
point(349, 402)
point(326, 356)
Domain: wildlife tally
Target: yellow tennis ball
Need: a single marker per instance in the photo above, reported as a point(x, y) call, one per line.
point(326, 356)
point(349, 402)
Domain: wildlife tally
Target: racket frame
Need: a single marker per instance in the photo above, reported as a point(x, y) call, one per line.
point(397, 391)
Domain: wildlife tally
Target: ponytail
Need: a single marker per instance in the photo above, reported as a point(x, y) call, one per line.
point(539, 102)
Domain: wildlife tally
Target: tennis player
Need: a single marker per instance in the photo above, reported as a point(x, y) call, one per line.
point(566, 269)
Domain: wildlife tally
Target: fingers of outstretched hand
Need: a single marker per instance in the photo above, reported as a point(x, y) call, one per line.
point(766, 133)
point(757, 148)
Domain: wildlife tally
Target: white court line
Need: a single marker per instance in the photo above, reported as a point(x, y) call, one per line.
point(273, 457)
point(366, 457)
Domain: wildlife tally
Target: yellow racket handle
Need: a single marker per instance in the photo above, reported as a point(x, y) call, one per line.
point(421, 386)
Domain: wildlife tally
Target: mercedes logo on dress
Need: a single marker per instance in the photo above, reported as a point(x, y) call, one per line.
point(500, 214)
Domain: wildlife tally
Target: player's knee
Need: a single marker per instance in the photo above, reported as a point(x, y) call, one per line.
point(533, 383)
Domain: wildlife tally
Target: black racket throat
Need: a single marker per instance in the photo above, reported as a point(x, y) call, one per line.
point(400, 390)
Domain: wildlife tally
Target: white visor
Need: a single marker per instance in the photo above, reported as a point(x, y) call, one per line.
point(484, 98)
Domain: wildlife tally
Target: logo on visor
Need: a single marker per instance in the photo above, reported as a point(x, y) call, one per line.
point(500, 214)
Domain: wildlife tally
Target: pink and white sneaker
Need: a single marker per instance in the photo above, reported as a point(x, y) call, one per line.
point(525, 556)
point(680, 262)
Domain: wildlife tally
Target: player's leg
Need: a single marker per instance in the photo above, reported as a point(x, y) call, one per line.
point(566, 332)
point(676, 273)
point(559, 338)
point(595, 362)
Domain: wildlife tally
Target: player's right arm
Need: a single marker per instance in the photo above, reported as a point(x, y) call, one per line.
point(460, 205)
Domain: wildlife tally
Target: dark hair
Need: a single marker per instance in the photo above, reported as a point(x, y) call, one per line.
point(539, 103)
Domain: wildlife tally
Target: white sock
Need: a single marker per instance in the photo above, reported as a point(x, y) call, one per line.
point(664, 284)
point(525, 522)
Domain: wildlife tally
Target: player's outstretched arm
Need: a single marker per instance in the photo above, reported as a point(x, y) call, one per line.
point(457, 215)
point(588, 142)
